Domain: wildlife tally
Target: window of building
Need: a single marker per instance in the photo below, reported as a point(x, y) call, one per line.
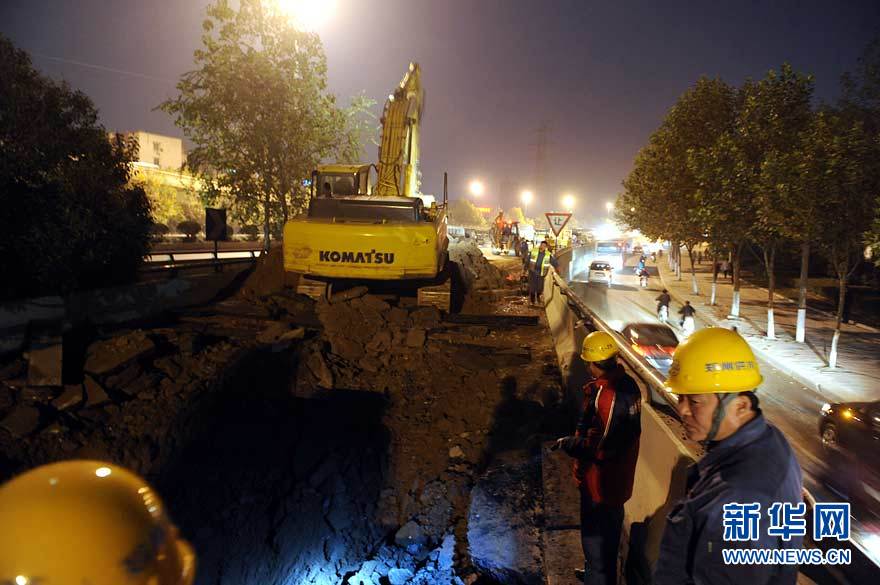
point(157, 148)
point(156, 160)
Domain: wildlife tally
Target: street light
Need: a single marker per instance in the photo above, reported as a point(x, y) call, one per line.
point(476, 187)
point(308, 15)
point(568, 202)
point(609, 207)
point(526, 197)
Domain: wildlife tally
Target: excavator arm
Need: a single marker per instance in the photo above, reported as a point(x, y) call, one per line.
point(398, 167)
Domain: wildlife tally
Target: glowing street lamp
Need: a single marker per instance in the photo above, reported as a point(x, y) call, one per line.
point(609, 207)
point(308, 15)
point(568, 202)
point(526, 197)
point(476, 187)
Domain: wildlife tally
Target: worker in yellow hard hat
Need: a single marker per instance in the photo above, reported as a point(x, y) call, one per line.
point(605, 448)
point(88, 522)
point(748, 467)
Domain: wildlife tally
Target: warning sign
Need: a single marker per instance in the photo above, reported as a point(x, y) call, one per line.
point(557, 221)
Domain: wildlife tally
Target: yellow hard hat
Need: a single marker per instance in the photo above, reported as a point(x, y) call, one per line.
point(598, 346)
point(88, 522)
point(713, 360)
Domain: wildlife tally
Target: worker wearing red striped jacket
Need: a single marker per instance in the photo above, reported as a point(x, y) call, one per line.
point(605, 448)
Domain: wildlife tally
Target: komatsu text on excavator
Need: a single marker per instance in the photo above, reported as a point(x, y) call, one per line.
point(375, 226)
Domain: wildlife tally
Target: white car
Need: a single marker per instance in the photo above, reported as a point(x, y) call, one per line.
point(600, 272)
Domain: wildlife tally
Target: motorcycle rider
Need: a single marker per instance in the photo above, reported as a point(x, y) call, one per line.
point(663, 300)
point(643, 277)
point(687, 313)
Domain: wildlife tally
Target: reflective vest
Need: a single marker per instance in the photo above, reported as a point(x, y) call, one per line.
point(545, 261)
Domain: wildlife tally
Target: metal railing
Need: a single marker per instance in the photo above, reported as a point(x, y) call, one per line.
point(175, 260)
point(635, 361)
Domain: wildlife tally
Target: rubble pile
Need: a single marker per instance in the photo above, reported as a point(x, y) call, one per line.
point(353, 440)
point(476, 272)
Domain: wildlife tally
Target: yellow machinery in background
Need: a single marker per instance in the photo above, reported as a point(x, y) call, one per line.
point(371, 222)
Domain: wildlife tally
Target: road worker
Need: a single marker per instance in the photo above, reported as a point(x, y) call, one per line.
point(714, 374)
point(88, 522)
point(605, 447)
point(540, 262)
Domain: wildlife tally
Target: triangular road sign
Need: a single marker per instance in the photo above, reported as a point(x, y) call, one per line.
point(557, 221)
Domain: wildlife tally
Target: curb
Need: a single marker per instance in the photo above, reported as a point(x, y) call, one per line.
point(777, 363)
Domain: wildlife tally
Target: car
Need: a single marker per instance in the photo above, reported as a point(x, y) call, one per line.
point(653, 341)
point(600, 271)
point(850, 434)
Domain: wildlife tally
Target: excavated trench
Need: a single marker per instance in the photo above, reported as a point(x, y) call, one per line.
point(276, 489)
point(383, 445)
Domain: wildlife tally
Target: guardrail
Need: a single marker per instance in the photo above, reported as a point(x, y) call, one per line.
point(174, 260)
point(635, 361)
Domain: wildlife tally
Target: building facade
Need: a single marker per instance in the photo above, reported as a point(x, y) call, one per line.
point(158, 151)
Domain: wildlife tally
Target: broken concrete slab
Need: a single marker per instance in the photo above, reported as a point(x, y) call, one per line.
point(72, 396)
point(319, 368)
point(22, 421)
point(103, 357)
point(95, 393)
point(45, 365)
point(415, 338)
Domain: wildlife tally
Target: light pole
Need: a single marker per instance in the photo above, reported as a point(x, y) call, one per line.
point(609, 207)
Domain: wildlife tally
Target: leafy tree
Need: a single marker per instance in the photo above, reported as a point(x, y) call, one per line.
point(849, 155)
point(257, 109)
point(463, 212)
point(663, 194)
point(516, 214)
point(70, 220)
point(772, 118)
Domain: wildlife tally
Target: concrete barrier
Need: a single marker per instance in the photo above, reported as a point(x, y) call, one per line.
point(663, 458)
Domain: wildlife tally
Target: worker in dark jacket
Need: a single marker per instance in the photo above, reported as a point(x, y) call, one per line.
point(540, 261)
point(605, 447)
point(747, 460)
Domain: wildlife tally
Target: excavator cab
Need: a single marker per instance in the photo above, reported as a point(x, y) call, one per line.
point(342, 181)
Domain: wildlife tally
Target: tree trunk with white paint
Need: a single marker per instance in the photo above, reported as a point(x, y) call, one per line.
point(841, 298)
point(801, 331)
point(734, 308)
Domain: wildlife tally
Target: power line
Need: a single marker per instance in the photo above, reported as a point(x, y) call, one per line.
point(103, 68)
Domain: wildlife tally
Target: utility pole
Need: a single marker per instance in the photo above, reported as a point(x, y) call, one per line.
point(540, 174)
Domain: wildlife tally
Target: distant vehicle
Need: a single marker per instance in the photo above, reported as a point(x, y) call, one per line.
point(655, 342)
point(600, 271)
point(850, 433)
point(610, 251)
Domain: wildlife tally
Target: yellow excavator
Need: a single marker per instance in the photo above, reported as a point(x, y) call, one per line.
point(371, 222)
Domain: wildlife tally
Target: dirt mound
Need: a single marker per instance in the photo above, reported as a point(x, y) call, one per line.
point(476, 271)
point(267, 277)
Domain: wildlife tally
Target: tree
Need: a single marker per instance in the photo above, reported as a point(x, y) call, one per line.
point(772, 118)
point(516, 214)
point(257, 109)
point(463, 212)
point(849, 182)
point(667, 175)
point(70, 220)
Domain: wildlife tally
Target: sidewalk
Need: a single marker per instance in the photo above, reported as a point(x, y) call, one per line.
point(857, 377)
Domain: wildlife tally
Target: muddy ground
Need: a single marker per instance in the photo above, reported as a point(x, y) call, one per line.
point(356, 440)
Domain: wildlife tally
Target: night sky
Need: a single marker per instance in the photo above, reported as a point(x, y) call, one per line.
point(599, 74)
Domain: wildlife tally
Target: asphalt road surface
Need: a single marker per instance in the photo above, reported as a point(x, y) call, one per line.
point(788, 404)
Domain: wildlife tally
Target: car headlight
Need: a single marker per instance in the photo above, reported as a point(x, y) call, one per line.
point(826, 408)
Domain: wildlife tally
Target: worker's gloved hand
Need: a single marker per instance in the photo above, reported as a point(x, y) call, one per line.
point(567, 444)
